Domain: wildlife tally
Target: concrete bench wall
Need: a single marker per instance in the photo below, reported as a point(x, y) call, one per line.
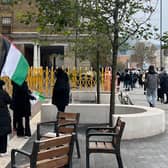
point(144, 122)
point(89, 96)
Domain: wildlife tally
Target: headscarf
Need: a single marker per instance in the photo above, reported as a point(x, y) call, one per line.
point(1, 83)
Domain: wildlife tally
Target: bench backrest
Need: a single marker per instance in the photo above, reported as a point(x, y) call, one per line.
point(52, 153)
point(68, 118)
point(119, 128)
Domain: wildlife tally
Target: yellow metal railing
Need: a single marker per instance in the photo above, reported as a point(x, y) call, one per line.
point(42, 80)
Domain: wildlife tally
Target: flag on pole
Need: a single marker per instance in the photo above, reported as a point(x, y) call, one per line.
point(39, 96)
point(12, 62)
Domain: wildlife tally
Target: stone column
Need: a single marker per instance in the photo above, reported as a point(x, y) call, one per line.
point(35, 57)
point(38, 56)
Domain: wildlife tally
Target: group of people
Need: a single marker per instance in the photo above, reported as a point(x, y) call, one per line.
point(21, 106)
point(130, 78)
point(155, 84)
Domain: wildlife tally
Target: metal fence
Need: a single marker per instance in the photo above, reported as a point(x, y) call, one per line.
point(42, 80)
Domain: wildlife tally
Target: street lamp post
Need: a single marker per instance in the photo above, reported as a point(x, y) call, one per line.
point(161, 54)
point(76, 31)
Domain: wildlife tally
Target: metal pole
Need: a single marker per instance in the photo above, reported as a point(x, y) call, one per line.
point(76, 31)
point(161, 55)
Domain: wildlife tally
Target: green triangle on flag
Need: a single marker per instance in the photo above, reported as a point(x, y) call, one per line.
point(39, 96)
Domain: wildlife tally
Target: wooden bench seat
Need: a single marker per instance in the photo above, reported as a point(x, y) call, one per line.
point(66, 123)
point(50, 153)
point(106, 140)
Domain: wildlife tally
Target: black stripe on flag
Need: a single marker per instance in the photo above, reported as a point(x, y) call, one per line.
point(5, 45)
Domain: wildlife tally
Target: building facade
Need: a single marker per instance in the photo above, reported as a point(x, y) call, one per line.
point(39, 49)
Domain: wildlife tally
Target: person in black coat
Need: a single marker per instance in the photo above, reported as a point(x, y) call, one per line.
point(60, 96)
point(21, 106)
point(5, 119)
point(164, 85)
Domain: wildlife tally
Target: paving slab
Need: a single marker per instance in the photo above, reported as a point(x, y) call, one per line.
point(151, 152)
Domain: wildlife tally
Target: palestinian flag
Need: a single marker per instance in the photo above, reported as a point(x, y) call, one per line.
point(38, 96)
point(12, 62)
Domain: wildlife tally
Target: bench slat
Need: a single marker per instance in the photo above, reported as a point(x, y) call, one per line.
point(100, 145)
point(108, 145)
point(57, 141)
point(53, 163)
point(92, 145)
point(62, 150)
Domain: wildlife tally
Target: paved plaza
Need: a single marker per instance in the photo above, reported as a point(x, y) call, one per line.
point(149, 152)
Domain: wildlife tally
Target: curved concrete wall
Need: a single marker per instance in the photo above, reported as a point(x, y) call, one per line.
point(140, 121)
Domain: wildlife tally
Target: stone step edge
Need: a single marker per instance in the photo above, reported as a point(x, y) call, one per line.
point(19, 142)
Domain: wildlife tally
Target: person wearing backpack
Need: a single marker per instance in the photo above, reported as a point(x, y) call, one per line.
point(151, 85)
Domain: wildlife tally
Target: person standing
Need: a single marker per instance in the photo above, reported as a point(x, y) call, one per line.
point(151, 85)
point(60, 96)
point(21, 106)
point(5, 119)
point(164, 86)
point(127, 80)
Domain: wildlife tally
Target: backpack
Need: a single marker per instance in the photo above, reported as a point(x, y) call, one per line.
point(152, 81)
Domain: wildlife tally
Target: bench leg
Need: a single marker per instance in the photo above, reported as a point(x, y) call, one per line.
point(77, 147)
point(119, 160)
point(87, 160)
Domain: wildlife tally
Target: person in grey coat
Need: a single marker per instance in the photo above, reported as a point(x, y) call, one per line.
point(151, 85)
point(5, 119)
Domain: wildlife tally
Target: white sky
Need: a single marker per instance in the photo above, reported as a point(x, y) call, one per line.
point(156, 17)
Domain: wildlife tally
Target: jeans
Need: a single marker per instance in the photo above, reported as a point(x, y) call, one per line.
point(151, 96)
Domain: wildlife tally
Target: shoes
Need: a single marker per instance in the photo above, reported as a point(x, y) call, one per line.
point(3, 154)
point(20, 136)
point(27, 137)
point(151, 105)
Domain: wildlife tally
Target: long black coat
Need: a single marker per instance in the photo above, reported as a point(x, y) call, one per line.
point(164, 82)
point(5, 119)
point(21, 100)
point(61, 90)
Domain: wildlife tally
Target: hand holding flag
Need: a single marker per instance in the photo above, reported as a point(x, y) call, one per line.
point(12, 62)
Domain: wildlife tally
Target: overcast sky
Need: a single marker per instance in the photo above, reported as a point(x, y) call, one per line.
point(156, 17)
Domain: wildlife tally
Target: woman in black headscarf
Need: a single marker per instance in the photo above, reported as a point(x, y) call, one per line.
point(22, 108)
point(61, 90)
point(5, 119)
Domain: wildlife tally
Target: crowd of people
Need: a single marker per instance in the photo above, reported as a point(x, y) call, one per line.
point(130, 78)
point(154, 82)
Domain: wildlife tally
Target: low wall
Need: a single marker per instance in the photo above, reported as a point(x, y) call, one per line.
point(89, 96)
point(140, 121)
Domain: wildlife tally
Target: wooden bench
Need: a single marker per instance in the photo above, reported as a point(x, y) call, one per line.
point(107, 140)
point(50, 153)
point(66, 123)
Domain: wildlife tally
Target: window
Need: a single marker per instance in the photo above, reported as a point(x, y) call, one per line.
point(6, 20)
point(6, 1)
point(6, 24)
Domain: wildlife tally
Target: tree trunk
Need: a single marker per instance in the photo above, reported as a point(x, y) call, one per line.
point(114, 42)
